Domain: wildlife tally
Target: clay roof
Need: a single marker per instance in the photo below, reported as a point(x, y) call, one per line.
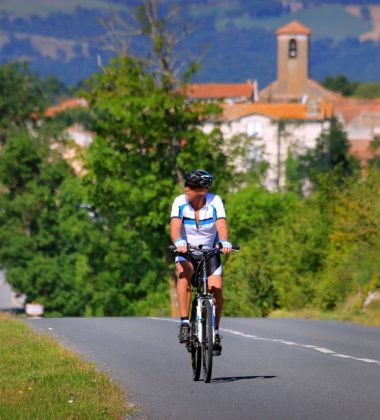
point(220, 90)
point(290, 111)
point(312, 88)
point(362, 149)
point(65, 104)
point(350, 108)
point(293, 27)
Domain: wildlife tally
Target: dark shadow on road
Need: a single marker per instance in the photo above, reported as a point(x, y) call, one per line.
point(239, 378)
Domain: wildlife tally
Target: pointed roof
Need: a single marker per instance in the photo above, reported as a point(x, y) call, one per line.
point(293, 27)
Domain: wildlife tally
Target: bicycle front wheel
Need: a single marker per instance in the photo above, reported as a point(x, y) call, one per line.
point(207, 344)
point(196, 351)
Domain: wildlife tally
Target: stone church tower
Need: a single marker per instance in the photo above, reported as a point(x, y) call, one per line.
point(293, 83)
point(293, 58)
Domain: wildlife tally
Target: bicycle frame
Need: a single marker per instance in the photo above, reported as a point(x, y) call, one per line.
point(202, 319)
point(203, 294)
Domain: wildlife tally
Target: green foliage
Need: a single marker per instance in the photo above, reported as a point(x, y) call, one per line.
point(368, 90)
point(341, 84)
point(43, 232)
point(98, 245)
point(293, 174)
point(254, 216)
point(146, 137)
point(249, 289)
point(54, 90)
point(330, 159)
point(352, 257)
point(20, 96)
point(252, 209)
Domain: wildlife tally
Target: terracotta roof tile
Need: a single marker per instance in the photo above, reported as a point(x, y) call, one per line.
point(350, 108)
point(296, 111)
point(362, 149)
point(220, 90)
point(293, 27)
point(65, 104)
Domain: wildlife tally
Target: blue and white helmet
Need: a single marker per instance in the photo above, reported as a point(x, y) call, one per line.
point(199, 178)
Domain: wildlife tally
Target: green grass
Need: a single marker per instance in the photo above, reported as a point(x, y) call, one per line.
point(328, 21)
point(25, 8)
point(41, 380)
point(369, 317)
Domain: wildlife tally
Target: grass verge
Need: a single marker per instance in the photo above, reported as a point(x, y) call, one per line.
point(366, 318)
point(39, 379)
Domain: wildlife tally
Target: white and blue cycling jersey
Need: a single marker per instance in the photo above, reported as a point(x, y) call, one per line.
point(205, 233)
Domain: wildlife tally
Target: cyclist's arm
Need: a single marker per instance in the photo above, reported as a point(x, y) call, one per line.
point(175, 234)
point(175, 228)
point(222, 228)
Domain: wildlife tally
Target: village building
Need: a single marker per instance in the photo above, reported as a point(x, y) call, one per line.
point(293, 82)
point(224, 92)
point(287, 116)
point(361, 121)
point(76, 137)
point(272, 131)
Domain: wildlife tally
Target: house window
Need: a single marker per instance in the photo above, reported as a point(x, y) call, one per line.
point(255, 153)
point(255, 129)
point(292, 48)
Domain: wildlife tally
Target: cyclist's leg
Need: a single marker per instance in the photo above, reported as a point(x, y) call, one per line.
point(215, 285)
point(185, 270)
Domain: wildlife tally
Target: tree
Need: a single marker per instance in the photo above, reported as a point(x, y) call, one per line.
point(341, 84)
point(158, 29)
point(53, 90)
point(44, 233)
point(330, 157)
point(368, 90)
point(21, 97)
point(293, 174)
point(145, 135)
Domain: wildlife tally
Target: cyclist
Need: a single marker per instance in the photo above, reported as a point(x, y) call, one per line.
point(198, 218)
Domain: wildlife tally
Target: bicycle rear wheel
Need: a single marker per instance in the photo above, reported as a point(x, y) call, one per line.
point(207, 345)
point(196, 351)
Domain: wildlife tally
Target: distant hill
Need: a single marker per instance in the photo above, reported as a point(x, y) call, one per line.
point(62, 37)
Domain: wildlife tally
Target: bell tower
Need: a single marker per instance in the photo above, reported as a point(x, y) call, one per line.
point(293, 42)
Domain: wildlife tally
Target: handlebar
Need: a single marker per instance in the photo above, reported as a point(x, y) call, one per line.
point(204, 250)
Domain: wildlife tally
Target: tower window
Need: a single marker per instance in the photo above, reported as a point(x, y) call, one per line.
point(292, 48)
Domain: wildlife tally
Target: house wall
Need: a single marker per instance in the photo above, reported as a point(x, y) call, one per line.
point(267, 144)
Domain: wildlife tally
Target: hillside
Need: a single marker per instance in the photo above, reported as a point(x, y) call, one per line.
point(63, 38)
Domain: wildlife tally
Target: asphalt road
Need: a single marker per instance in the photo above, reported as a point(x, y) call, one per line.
point(5, 293)
point(270, 368)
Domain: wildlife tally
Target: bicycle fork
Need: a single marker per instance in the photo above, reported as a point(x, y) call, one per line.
point(199, 319)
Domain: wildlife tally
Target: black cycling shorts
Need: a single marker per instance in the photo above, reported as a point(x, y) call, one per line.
point(213, 263)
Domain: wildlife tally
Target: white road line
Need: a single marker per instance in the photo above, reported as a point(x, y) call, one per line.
point(322, 350)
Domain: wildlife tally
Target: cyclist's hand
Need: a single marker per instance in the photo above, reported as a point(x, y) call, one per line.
point(181, 245)
point(226, 247)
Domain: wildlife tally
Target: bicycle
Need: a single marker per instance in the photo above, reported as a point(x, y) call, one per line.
point(202, 315)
